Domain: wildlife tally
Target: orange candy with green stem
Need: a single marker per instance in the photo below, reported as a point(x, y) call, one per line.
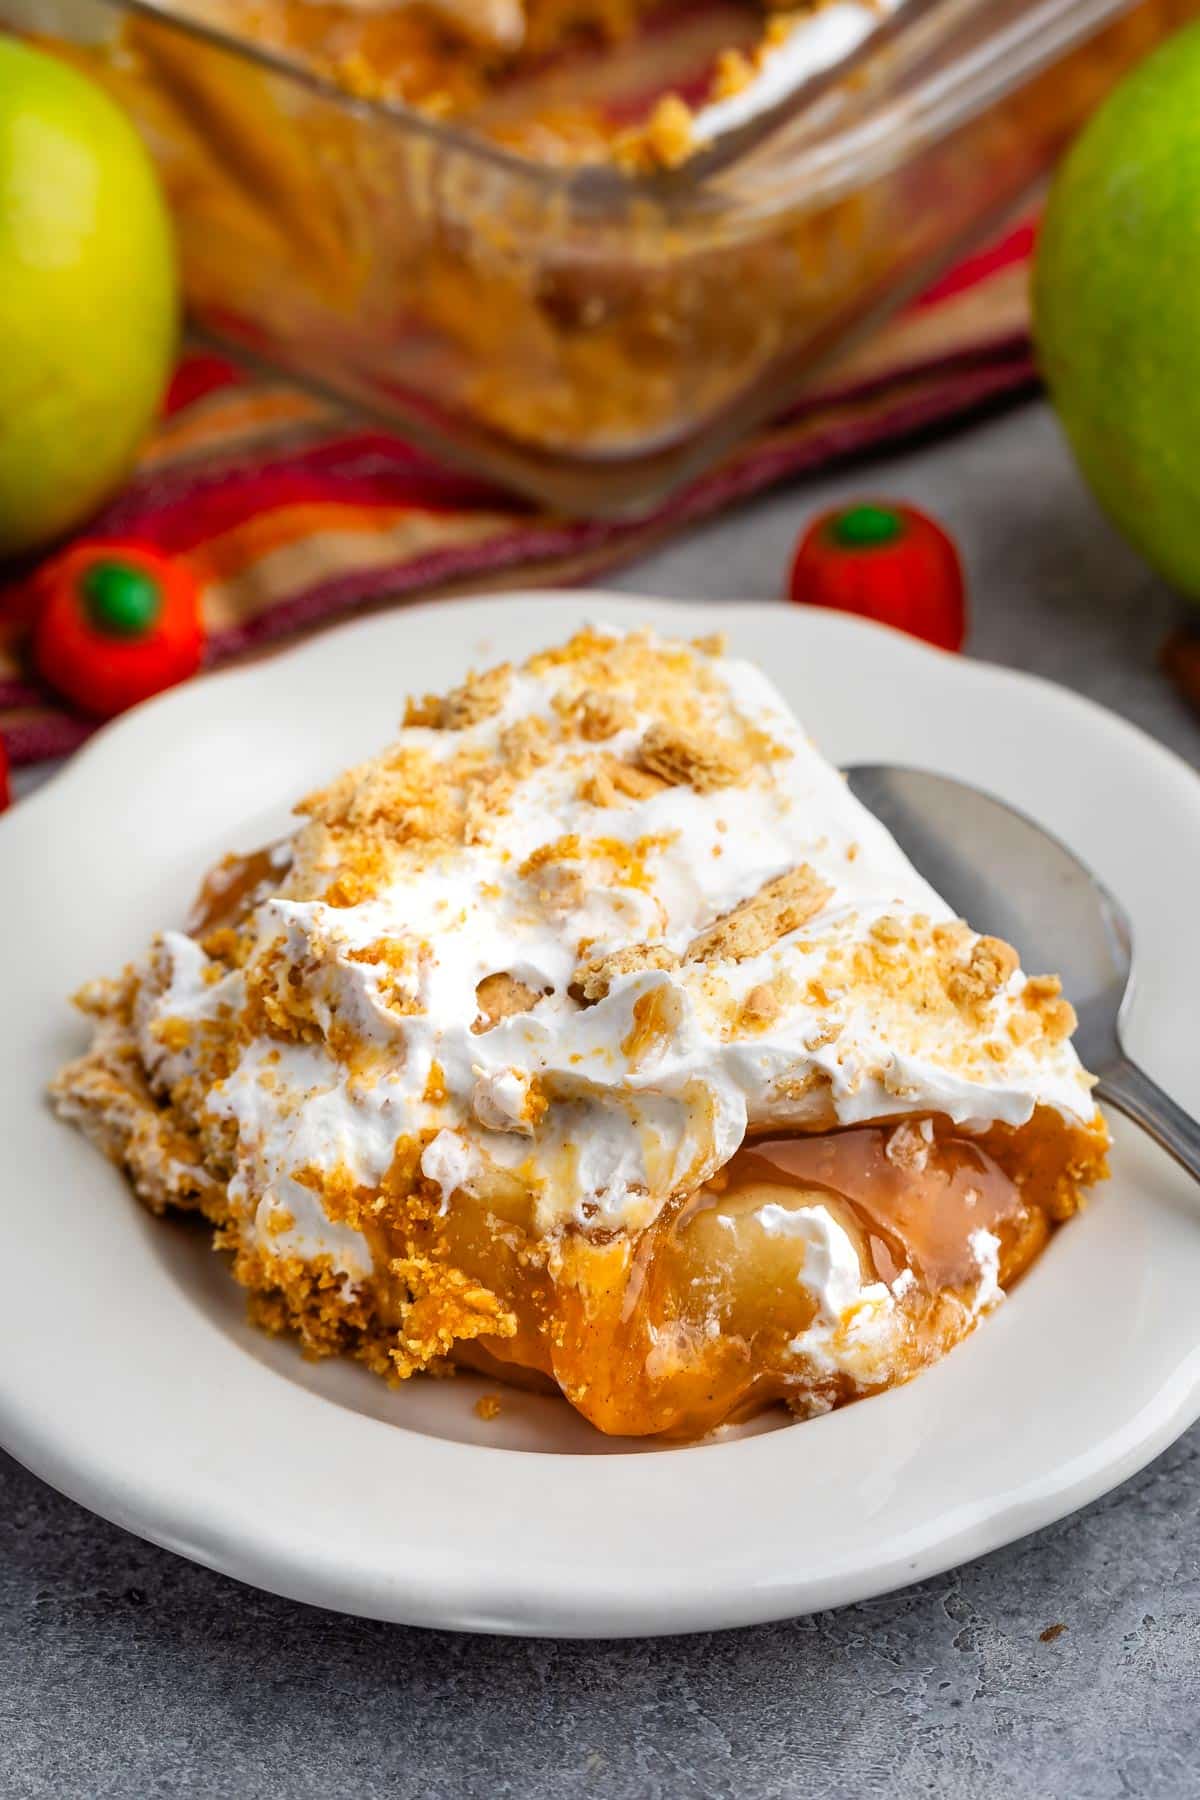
point(115, 622)
point(889, 563)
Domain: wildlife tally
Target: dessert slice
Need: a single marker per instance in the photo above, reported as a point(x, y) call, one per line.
point(593, 1034)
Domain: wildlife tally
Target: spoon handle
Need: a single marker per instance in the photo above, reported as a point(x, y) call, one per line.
point(1132, 1092)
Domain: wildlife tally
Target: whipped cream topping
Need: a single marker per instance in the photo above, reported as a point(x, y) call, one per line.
point(601, 1106)
point(859, 1322)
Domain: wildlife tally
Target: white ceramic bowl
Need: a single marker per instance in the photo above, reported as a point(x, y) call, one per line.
point(129, 1379)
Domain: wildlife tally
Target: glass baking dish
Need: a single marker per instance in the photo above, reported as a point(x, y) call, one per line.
point(590, 335)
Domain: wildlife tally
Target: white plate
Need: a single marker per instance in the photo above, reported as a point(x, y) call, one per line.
point(129, 1380)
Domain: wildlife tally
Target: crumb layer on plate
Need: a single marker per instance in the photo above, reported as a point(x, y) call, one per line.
point(595, 1035)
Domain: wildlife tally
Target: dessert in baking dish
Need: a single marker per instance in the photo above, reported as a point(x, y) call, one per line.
point(466, 59)
point(448, 252)
point(593, 1034)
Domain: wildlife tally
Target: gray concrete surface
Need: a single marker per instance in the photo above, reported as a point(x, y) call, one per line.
point(125, 1672)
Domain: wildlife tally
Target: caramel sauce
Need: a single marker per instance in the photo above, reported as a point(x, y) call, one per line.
point(918, 1202)
point(692, 1322)
point(228, 890)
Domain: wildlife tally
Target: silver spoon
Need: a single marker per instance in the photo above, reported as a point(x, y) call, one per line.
point(1009, 878)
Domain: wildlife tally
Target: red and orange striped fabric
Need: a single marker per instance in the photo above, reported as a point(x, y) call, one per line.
point(294, 513)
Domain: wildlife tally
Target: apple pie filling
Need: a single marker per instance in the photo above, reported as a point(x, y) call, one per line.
point(808, 1270)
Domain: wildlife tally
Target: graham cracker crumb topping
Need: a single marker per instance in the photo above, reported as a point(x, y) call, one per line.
point(592, 980)
point(480, 697)
point(780, 907)
point(611, 781)
point(472, 1196)
point(525, 747)
point(1056, 1016)
point(446, 1307)
point(689, 759)
point(759, 1009)
point(987, 970)
point(501, 996)
point(398, 962)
